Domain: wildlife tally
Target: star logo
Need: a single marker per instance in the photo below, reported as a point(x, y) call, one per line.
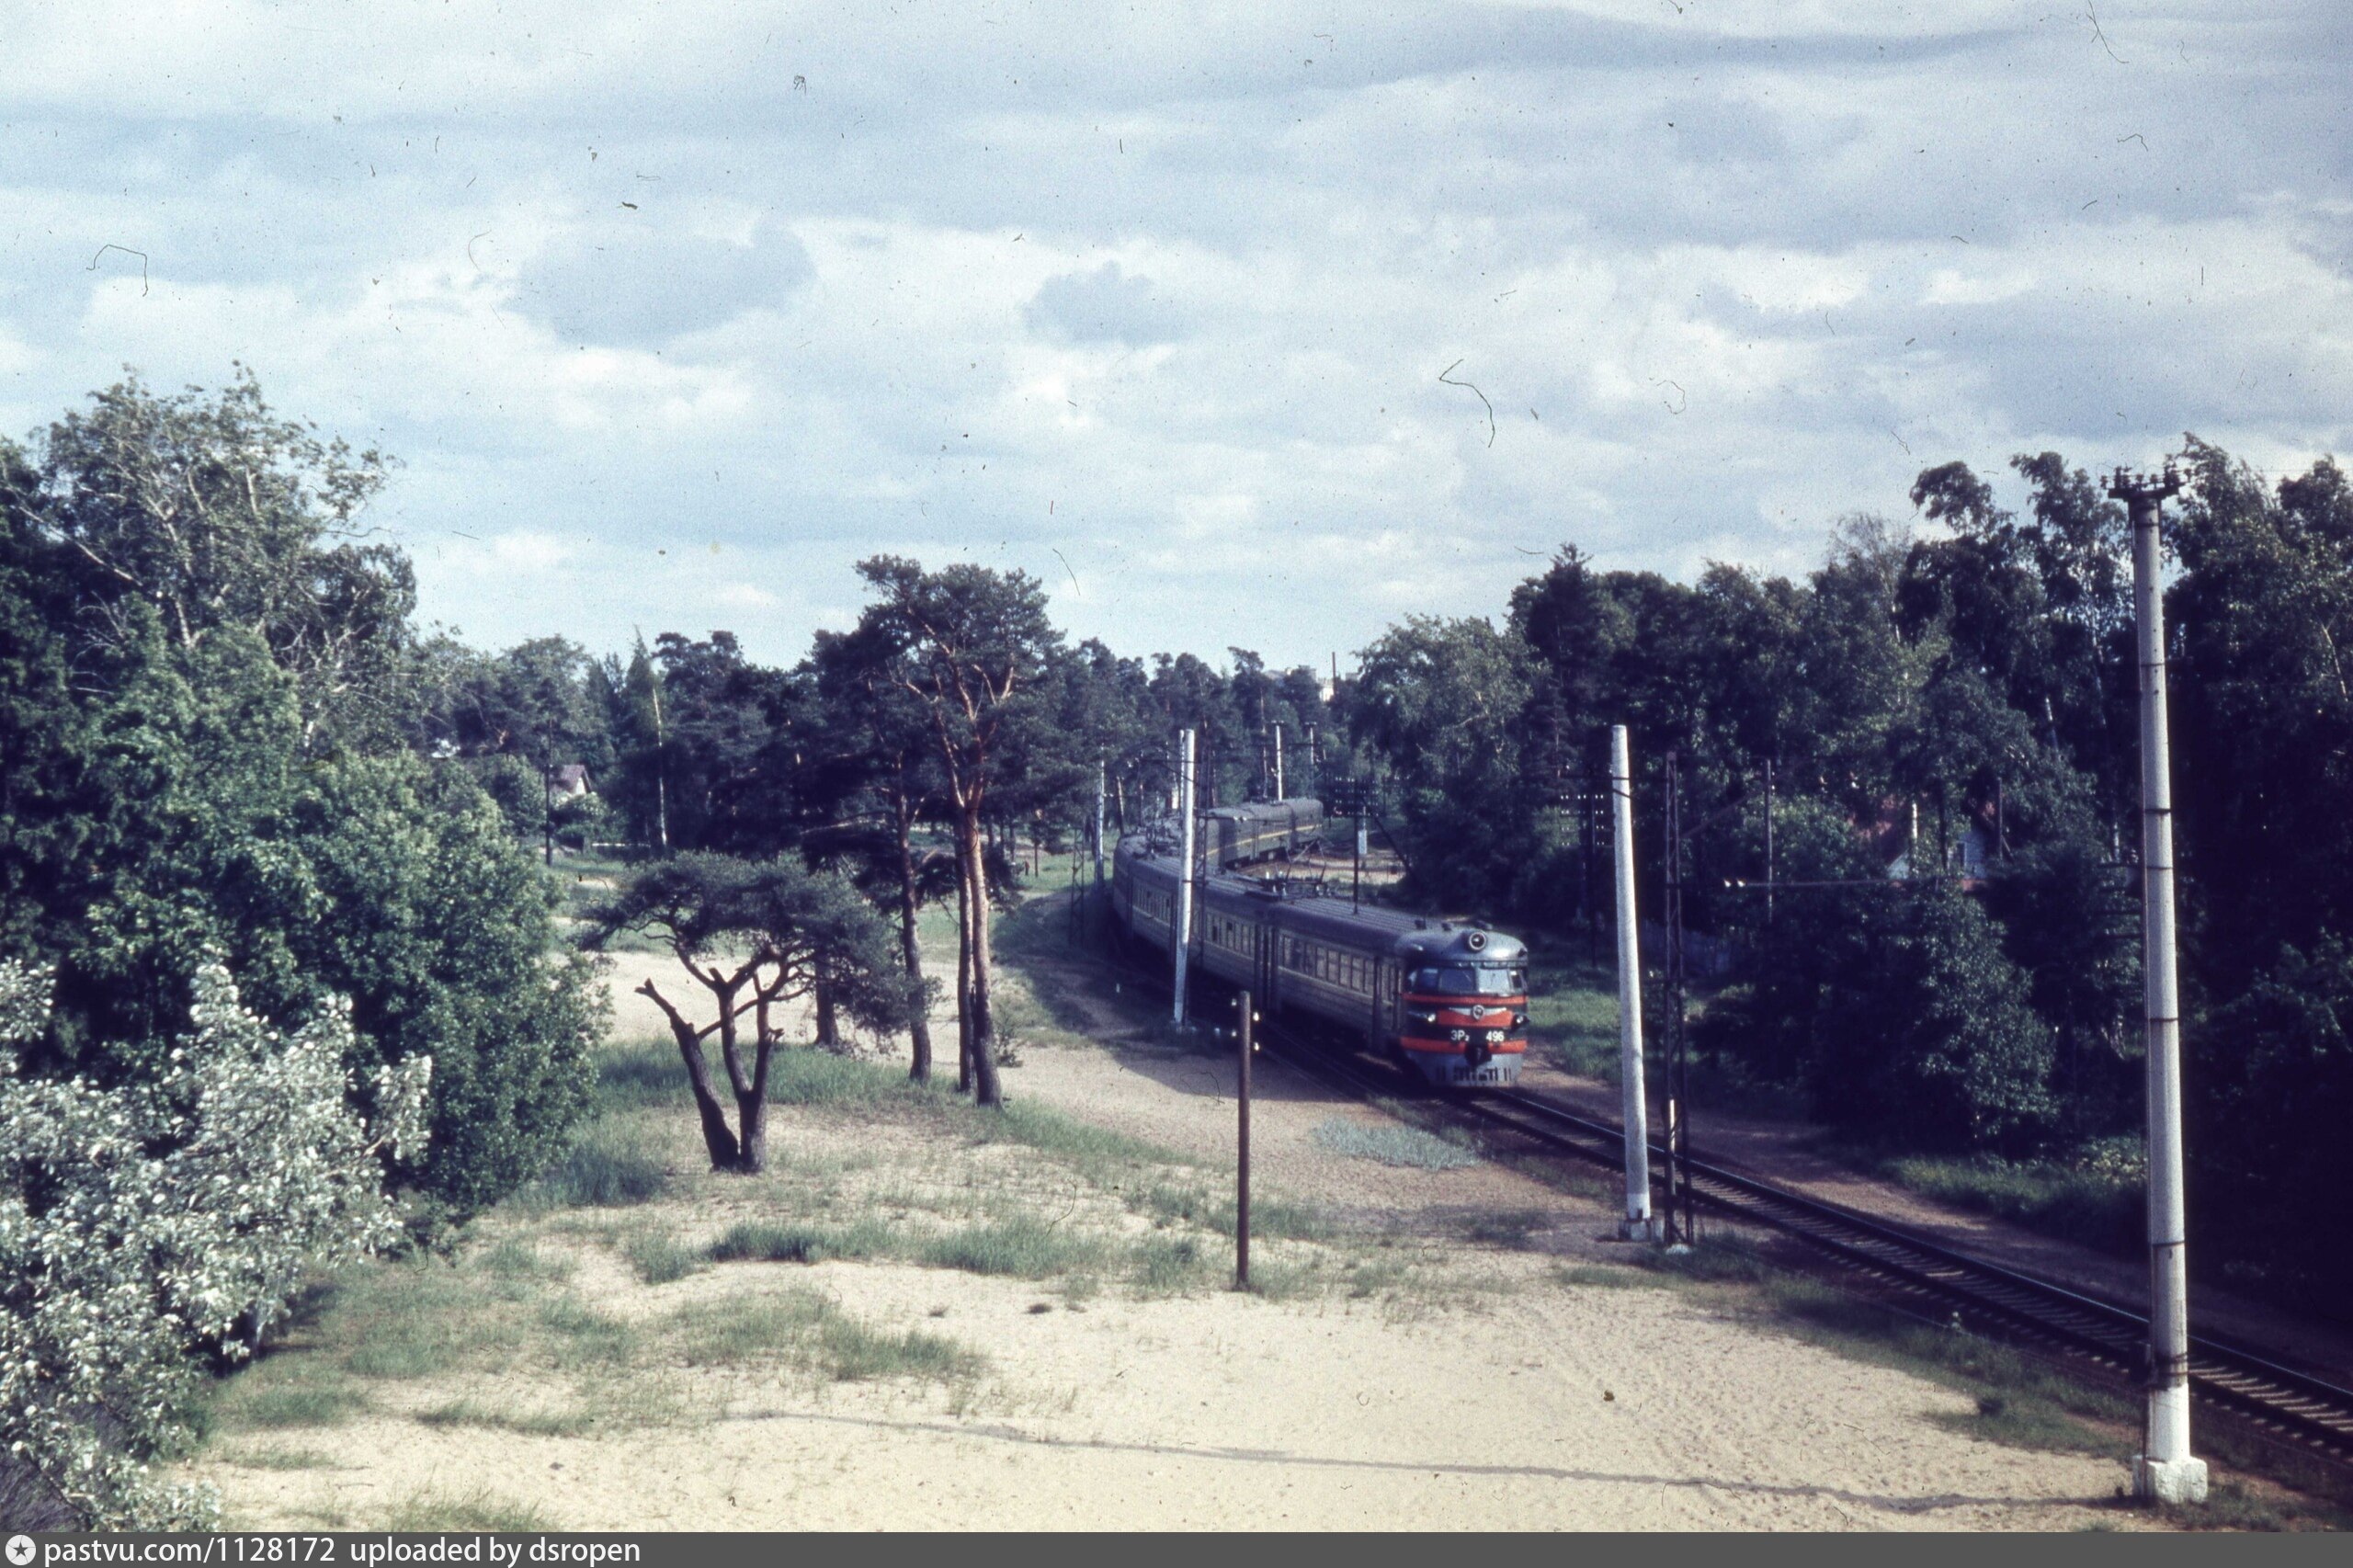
point(21, 1550)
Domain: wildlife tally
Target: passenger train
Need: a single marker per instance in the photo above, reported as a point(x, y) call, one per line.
point(1448, 1002)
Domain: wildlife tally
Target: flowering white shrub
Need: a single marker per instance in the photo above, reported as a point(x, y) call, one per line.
point(142, 1226)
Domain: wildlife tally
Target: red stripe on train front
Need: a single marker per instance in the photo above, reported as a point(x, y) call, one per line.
point(1457, 1048)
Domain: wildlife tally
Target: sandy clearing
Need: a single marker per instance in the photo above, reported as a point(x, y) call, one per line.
point(1479, 1403)
point(1224, 1411)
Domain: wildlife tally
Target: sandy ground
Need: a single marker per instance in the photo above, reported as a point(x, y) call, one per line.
point(1565, 1410)
point(1778, 1150)
point(1525, 1404)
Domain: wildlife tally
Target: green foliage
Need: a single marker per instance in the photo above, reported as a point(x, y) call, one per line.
point(143, 1229)
point(2093, 1197)
point(1901, 1016)
point(2274, 1065)
point(227, 776)
point(1443, 702)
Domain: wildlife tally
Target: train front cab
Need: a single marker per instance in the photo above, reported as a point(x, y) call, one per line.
point(1462, 1010)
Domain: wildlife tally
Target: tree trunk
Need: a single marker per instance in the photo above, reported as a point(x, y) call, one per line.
point(964, 974)
point(718, 1138)
point(909, 947)
point(829, 1028)
point(986, 1090)
point(752, 1109)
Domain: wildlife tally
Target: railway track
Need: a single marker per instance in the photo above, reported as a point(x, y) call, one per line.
point(2307, 1412)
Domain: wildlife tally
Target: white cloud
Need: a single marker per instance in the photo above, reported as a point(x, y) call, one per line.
point(1164, 301)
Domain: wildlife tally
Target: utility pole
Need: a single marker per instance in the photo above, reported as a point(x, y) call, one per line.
point(1768, 841)
point(1634, 1106)
point(2164, 1470)
point(1356, 867)
point(1247, 1038)
point(1098, 822)
point(1682, 1227)
point(1181, 931)
point(1278, 763)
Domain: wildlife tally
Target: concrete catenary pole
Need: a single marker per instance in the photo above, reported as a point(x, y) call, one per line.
point(1638, 1223)
point(2164, 1470)
point(1181, 936)
point(1278, 764)
point(1099, 770)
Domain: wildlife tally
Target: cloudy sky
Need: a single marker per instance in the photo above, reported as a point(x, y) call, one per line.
point(1258, 327)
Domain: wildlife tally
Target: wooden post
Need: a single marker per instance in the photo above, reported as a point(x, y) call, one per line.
point(1246, 1035)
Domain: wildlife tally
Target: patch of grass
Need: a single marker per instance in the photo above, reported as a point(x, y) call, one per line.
point(640, 1076)
point(272, 1406)
point(518, 1258)
point(584, 1337)
point(279, 1457)
point(1715, 1260)
point(849, 1351)
point(811, 1078)
point(611, 1165)
point(2022, 1423)
point(1018, 1245)
point(1392, 1144)
point(802, 1329)
point(409, 1319)
point(659, 1257)
point(1168, 1203)
point(479, 1509)
point(1050, 1132)
point(2230, 1506)
point(766, 1241)
point(1573, 1013)
point(1505, 1227)
point(736, 1329)
point(1605, 1276)
point(529, 1423)
point(1375, 1276)
point(1169, 1265)
point(2097, 1202)
point(1282, 1282)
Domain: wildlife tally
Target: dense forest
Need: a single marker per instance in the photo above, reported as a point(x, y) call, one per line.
point(239, 781)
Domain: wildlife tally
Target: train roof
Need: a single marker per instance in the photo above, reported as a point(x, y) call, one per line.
point(1411, 937)
point(1287, 810)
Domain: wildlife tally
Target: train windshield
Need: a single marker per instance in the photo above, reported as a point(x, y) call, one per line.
point(1463, 979)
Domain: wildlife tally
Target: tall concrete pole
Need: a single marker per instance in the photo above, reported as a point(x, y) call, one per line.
point(1634, 1105)
point(1278, 764)
point(2164, 1470)
point(1181, 938)
point(1098, 821)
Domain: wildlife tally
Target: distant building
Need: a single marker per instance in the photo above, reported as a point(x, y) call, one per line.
point(571, 781)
